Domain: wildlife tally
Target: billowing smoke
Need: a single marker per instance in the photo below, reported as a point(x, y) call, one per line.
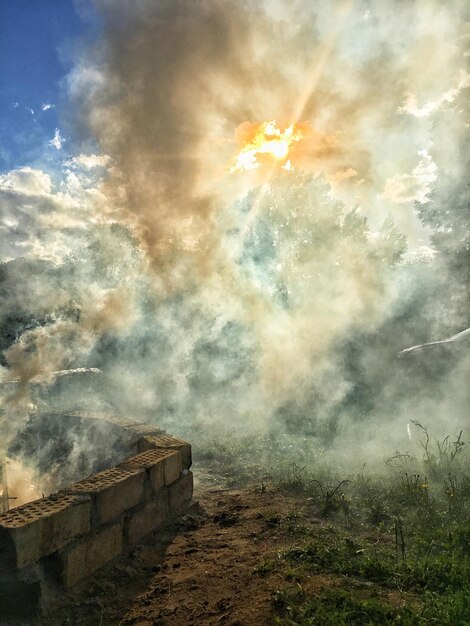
point(269, 298)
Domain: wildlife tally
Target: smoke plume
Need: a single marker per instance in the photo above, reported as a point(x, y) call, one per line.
point(270, 298)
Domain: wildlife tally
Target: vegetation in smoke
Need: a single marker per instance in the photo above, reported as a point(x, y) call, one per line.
point(302, 248)
point(400, 529)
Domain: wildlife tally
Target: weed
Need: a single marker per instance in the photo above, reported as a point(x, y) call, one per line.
point(273, 519)
point(265, 567)
point(331, 498)
point(293, 574)
point(441, 455)
point(294, 481)
point(404, 528)
point(400, 546)
point(337, 607)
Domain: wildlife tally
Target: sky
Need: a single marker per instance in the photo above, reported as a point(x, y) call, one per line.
point(371, 109)
point(38, 44)
point(138, 104)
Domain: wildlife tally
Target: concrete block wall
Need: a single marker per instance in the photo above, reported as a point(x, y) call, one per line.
point(68, 536)
point(167, 442)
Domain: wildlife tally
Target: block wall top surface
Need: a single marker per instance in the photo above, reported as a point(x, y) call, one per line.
point(126, 423)
point(149, 458)
point(145, 429)
point(165, 440)
point(33, 511)
point(103, 480)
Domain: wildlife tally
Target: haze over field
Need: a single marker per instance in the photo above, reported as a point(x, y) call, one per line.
point(246, 211)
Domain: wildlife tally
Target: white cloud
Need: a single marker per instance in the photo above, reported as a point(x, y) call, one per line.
point(27, 181)
point(46, 106)
point(412, 107)
point(89, 161)
point(15, 105)
point(38, 220)
point(402, 188)
point(85, 78)
point(57, 141)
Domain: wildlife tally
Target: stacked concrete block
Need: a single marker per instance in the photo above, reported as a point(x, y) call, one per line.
point(68, 536)
point(180, 493)
point(80, 560)
point(163, 466)
point(167, 442)
point(148, 518)
point(112, 492)
point(39, 528)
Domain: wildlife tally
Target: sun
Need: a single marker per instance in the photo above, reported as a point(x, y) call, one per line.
point(266, 139)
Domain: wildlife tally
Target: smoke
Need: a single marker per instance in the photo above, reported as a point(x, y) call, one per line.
point(21, 481)
point(268, 299)
point(170, 82)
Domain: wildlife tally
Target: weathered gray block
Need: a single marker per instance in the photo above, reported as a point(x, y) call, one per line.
point(167, 442)
point(112, 492)
point(84, 558)
point(43, 526)
point(163, 466)
point(180, 493)
point(146, 520)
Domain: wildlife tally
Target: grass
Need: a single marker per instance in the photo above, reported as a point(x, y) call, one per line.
point(431, 568)
point(335, 608)
point(379, 563)
point(402, 528)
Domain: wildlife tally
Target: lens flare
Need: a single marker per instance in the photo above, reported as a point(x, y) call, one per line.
point(269, 141)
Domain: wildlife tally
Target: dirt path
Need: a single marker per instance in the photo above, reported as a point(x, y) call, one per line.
point(202, 570)
point(207, 573)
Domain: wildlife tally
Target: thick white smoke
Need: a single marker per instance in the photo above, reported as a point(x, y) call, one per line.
point(274, 299)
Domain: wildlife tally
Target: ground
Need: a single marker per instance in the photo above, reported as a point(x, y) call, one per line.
point(199, 571)
point(235, 559)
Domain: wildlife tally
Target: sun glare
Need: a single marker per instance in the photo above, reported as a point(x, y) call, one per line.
point(267, 140)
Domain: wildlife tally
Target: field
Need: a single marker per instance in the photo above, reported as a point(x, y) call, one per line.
point(293, 544)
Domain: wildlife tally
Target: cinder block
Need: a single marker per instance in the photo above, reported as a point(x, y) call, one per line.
point(123, 427)
point(180, 493)
point(84, 558)
point(112, 492)
point(144, 429)
point(129, 424)
point(43, 526)
point(163, 466)
point(168, 442)
point(152, 516)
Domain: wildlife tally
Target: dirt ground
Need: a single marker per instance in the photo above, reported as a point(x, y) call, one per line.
point(201, 570)
point(212, 567)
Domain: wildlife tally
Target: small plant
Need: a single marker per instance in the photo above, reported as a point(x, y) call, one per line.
point(440, 456)
point(378, 513)
point(332, 499)
point(273, 519)
point(415, 489)
point(265, 567)
point(293, 574)
point(295, 481)
point(400, 546)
